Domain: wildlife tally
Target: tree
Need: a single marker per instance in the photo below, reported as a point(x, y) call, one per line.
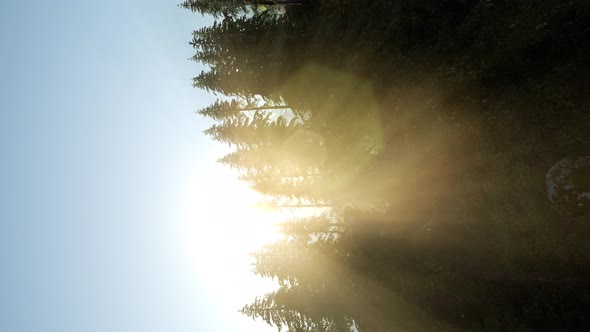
point(325, 225)
point(226, 8)
point(442, 110)
point(273, 184)
point(290, 155)
point(234, 108)
point(301, 309)
point(259, 130)
point(274, 204)
point(279, 309)
point(300, 260)
point(246, 54)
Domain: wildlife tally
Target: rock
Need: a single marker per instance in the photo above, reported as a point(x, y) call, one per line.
point(568, 185)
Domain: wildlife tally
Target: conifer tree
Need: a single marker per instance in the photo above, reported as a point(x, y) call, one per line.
point(299, 308)
point(246, 54)
point(227, 109)
point(259, 130)
point(270, 184)
point(299, 260)
point(275, 312)
point(226, 8)
point(274, 204)
point(325, 225)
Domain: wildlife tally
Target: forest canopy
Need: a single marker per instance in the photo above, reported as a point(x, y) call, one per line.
point(421, 133)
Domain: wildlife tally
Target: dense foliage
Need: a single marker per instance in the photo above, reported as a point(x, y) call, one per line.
point(421, 132)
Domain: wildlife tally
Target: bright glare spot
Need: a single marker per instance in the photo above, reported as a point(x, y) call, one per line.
point(222, 212)
point(220, 227)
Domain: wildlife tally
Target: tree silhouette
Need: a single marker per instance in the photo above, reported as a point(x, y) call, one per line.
point(419, 133)
point(227, 8)
point(227, 109)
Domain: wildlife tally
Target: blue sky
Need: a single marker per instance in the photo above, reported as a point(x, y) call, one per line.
point(109, 191)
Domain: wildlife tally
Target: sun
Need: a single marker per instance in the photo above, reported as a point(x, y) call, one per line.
point(219, 207)
point(219, 218)
point(219, 227)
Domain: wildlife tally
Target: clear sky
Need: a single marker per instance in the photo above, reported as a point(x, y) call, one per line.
point(114, 215)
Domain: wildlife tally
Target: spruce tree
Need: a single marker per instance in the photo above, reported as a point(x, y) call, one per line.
point(226, 8)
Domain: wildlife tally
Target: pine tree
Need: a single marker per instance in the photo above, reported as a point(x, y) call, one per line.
point(325, 225)
point(259, 130)
point(275, 204)
point(242, 132)
point(301, 309)
point(226, 8)
point(270, 309)
point(273, 184)
point(226, 109)
point(300, 260)
point(246, 55)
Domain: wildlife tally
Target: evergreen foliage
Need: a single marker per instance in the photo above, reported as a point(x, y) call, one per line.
point(423, 131)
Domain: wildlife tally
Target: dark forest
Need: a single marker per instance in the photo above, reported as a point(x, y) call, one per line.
point(443, 145)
